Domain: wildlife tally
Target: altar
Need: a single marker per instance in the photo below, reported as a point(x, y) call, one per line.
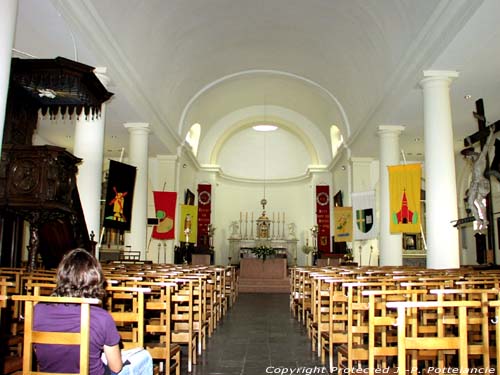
point(263, 276)
point(253, 268)
point(240, 249)
point(258, 275)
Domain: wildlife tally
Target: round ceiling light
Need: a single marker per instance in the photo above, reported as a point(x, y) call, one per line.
point(264, 128)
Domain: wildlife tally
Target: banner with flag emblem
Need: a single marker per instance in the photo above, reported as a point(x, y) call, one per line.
point(363, 207)
point(165, 204)
point(343, 224)
point(404, 192)
point(119, 196)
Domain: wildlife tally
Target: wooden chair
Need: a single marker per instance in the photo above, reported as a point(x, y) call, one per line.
point(231, 289)
point(129, 316)
point(411, 342)
point(200, 320)
point(382, 333)
point(63, 338)
point(320, 310)
point(158, 326)
point(11, 334)
point(477, 320)
point(182, 317)
point(337, 327)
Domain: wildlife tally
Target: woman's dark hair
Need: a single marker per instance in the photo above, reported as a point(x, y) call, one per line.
point(79, 275)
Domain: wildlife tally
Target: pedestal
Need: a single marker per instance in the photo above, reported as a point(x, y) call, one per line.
point(264, 276)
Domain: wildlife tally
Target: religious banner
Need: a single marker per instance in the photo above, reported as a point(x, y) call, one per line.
point(363, 207)
point(119, 196)
point(323, 217)
point(165, 204)
point(342, 224)
point(404, 192)
point(188, 223)
point(204, 211)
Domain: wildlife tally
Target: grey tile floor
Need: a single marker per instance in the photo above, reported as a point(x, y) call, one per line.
point(258, 336)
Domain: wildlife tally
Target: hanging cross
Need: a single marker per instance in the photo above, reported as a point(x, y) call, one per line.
point(482, 135)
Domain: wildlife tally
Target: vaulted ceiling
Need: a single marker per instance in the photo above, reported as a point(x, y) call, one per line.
point(304, 65)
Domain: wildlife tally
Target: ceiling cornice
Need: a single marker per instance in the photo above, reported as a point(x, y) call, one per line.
point(311, 170)
point(84, 18)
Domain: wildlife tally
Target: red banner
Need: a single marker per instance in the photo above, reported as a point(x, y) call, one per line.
point(204, 211)
point(323, 218)
point(165, 204)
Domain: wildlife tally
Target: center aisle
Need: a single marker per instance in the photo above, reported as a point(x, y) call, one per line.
point(257, 337)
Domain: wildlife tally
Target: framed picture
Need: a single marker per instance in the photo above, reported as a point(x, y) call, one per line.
point(189, 198)
point(409, 241)
point(337, 199)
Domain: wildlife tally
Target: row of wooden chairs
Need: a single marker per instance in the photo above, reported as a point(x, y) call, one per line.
point(388, 317)
point(158, 307)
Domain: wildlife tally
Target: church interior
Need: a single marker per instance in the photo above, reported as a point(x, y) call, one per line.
point(325, 154)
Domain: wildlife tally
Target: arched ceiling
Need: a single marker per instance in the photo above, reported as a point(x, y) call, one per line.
point(352, 63)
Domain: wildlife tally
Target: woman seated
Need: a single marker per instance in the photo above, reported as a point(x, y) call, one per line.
point(80, 275)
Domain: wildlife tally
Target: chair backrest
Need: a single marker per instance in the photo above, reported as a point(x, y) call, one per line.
point(129, 318)
point(444, 340)
point(63, 338)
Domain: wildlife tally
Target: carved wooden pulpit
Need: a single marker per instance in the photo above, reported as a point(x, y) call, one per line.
point(38, 183)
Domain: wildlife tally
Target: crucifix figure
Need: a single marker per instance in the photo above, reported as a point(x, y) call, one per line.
point(479, 186)
point(479, 198)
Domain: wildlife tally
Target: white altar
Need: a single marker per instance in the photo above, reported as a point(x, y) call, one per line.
point(241, 248)
point(264, 231)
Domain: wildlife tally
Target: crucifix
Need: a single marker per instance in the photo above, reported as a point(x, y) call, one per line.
point(480, 184)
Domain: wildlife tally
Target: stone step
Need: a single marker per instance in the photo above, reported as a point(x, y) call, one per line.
point(255, 285)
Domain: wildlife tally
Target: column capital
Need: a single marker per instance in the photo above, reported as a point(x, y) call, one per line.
point(137, 127)
point(390, 129)
point(446, 76)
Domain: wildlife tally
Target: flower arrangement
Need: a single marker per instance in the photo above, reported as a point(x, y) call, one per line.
point(348, 256)
point(306, 249)
point(263, 251)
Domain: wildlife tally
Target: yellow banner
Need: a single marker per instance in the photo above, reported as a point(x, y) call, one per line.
point(189, 223)
point(342, 224)
point(404, 190)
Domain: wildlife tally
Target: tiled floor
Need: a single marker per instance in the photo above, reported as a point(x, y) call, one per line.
point(257, 337)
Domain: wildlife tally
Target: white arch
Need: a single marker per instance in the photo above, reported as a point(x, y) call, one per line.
point(314, 141)
point(258, 72)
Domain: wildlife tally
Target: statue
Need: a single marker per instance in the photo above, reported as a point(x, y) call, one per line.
point(479, 186)
point(235, 229)
point(291, 231)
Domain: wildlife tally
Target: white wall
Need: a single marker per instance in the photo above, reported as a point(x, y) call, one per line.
point(296, 199)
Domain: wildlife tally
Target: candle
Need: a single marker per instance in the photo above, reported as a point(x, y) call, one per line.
point(278, 217)
point(252, 215)
point(240, 215)
point(246, 216)
point(283, 217)
point(273, 216)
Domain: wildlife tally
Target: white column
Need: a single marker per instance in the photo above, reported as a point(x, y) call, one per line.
point(8, 10)
point(138, 157)
point(89, 145)
point(440, 180)
point(391, 247)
